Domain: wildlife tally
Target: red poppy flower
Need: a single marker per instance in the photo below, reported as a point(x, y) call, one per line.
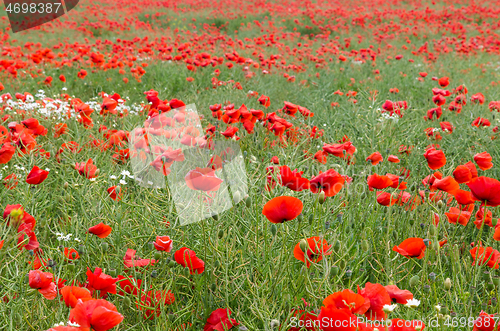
point(411, 247)
point(485, 189)
point(188, 259)
point(115, 193)
point(397, 295)
point(320, 156)
point(483, 160)
point(393, 159)
point(464, 197)
point(130, 261)
point(456, 215)
point(98, 280)
point(488, 256)
point(444, 81)
point(378, 297)
point(472, 169)
point(337, 319)
point(220, 319)
point(293, 179)
point(316, 249)
point(330, 182)
point(10, 182)
point(203, 179)
point(379, 182)
point(156, 300)
point(163, 243)
point(485, 322)
point(462, 174)
point(477, 98)
point(447, 184)
point(71, 253)
point(98, 315)
point(482, 219)
point(264, 100)
point(282, 209)
point(71, 295)
point(386, 199)
point(435, 158)
point(43, 282)
point(6, 153)
point(347, 299)
point(101, 230)
point(375, 158)
point(87, 169)
point(36, 176)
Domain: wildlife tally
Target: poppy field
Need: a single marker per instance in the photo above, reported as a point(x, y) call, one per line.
point(252, 165)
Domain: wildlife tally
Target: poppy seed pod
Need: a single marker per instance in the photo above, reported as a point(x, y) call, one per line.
point(157, 255)
point(112, 272)
point(171, 263)
point(447, 284)
point(432, 276)
point(71, 267)
point(414, 281)
point(496, 280)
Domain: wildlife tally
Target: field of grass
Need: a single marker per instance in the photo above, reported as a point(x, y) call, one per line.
point(387, 109)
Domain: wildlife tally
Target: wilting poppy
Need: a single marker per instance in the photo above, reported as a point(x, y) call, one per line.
point(411, 247)
point(43, 282)
point(315, 250)
point(188, 259)
point(87, 169)
point(203, 179)
point(398, 295)
point(282, 209)
point(115, 193)
point(101, 230)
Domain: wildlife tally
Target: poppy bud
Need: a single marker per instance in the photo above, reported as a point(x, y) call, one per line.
point(427, 288)
point(186, 272)
point(311, 219)
point(215, 217)
point(365, 246)
point(327, 225)
point(248, 202)
point(237, 196)
point(339, 218)
point(321, 198)
point(126, 301)
point(97, 172)
point(440, 204)
point(151, 246)
point(432, 230)
point(157, 255)
point(213, 287)
point(334, 270)
point(414, 281)
point(303, 245)
point(71, 267)
point(432, 276)
point(300, 218)
point(245, 154)
point(220, 234)
point(65, 185)
point(81, 249)
point(217, 263)
point(447, 284)
point(274, 229)
point(171, 263)
point(336, 245)
point(105, 246)
point(426, 242)
point(274, 324)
